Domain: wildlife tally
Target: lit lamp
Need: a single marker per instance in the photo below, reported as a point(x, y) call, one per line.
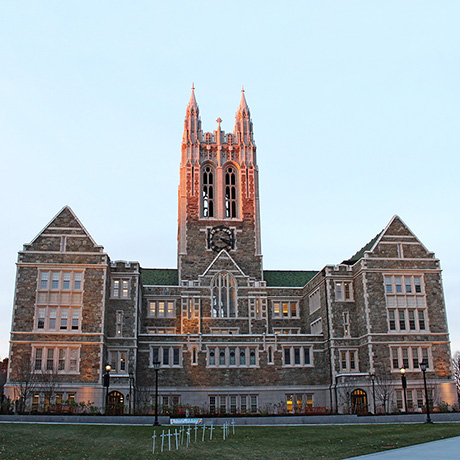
point(404, 385)
point(106, 382)
point(156, 367)
point(423, 367)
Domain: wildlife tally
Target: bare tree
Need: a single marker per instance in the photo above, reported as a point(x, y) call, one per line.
point(144, 399)
point(456, 372)
point(384, 390)
point(48, 382)
point(25, 381)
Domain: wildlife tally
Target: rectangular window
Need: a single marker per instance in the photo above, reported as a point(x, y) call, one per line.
point(38, 359)
point(421, 319)
point(73, 361)
point(388, 285)
point(417, 284)
point(398, 285)
point(44, 280)
point(61, 359)
point(285, 309)
point(408, 282)
point(287, 356)
point(75, 318)
point(77, 281)
point(343, 291)
point(297, 356)
point(409, 358)
point(41, 318)
point(212, 404)
point(408, 319)
point(176, 355)
point(162, 308)
point(64, 318)
point(124, 290)
point(120, 288)
point(55, 280)
point(167, 356)
point(52, 318)
point(402, 320)
point(392, 320)
point(348, 360)
point(314, 301)
point(254, 405)
point(66, 281)
point(61, 362)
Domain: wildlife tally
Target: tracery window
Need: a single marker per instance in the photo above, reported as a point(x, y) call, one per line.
point(208, 192)
point(230, 193)
point(224, 296)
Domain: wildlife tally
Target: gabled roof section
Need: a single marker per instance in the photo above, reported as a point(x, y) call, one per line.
point(223, 261)
point(360, 254)
point(288, 278)
point(65, 222)
point(159, 277)
point(395, 228)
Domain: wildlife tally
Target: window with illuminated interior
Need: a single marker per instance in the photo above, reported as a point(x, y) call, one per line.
point(224, 296)
point(208, 191)
point(230, 193)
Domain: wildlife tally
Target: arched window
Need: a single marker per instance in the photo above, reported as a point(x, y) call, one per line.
point(208, 192)
point(224, 296)
point(230, 192)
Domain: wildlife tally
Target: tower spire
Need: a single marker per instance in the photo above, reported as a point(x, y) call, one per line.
point(192, 101)
point(243, 103)
point(192, 130)
point(243, 130)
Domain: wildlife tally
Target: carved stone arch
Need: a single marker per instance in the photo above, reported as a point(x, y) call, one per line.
point(223, 295)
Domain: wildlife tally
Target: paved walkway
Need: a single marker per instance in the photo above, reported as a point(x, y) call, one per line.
point(445, 449)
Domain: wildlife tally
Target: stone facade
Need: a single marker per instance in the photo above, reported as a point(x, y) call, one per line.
point(228, 335)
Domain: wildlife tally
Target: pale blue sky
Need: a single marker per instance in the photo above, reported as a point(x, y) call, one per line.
point(355, 107)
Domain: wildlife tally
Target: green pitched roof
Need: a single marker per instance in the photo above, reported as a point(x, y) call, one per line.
point(353, 259)
point(159, 276)
point(288, 278)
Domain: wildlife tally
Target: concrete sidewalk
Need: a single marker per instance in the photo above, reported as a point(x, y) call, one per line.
point(445, 449)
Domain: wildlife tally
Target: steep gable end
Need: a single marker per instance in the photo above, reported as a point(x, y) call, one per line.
point(396, 241)
point(65, 233)
point(223, 262)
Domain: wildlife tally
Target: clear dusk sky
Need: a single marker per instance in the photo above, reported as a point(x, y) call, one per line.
point(355, 107)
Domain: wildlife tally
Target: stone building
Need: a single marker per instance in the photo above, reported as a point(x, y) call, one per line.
point(230, 336)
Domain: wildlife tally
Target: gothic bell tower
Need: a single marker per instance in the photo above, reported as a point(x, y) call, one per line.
point(218, 195)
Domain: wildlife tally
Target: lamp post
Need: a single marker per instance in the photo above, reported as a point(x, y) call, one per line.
point(106, 382)
point(156, 367)
point(404, 385)
point(423, 367)
point(131, 378)
point(372, 376)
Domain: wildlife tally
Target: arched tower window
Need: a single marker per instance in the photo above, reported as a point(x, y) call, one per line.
point(230, 192)
point(224, 296)
point(208, 192)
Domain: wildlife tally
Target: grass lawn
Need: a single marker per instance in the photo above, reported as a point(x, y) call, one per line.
point(84, 442)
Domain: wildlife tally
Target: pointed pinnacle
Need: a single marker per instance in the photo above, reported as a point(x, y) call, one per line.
point(192, 101)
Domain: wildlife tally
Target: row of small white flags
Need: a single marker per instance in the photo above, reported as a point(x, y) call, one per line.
point(183, 436)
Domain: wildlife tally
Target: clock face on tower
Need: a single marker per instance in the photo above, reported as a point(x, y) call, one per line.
point(221, 237)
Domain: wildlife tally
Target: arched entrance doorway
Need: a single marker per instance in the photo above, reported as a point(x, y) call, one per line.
point(359, 402)
point(116, 403)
